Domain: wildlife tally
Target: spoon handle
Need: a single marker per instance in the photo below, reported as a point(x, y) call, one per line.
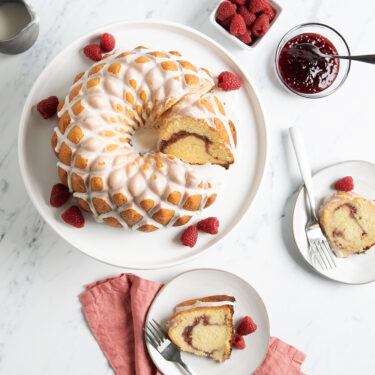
point(364, 58)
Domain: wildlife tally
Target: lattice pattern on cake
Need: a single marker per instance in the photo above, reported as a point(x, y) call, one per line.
point(92, 141)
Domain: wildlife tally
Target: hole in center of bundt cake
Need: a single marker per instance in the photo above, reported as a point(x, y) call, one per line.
point(145, 140)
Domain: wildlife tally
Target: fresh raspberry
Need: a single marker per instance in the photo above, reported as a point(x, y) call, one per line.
point(238, 2)
point(228, 81)
point(256, 6)
point(237, 26)
point(73, 216)
point(209, 225)
point(269, 12)
point(260, 25)
point(48, 107)
point(238, 342)
point(248, 17)
point(189, 236)
point(246, 38)
point(92, 51)
point(59, 195)
point(226, 23)
point(107, 42)
point(225, 10)
point(345, 184)
point(246, 326)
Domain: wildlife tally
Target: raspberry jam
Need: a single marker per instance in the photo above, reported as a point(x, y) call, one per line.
point(302, 70)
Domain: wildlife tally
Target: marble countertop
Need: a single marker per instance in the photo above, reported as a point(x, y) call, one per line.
point(42, 330)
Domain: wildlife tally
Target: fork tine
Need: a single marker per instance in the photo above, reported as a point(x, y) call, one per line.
point(325, 252)
point(313, 254)
point(318, 254)
point(323, 255)
point(150, 338)
point(326, 255)
point(314, 257)
point(152, 333)
point(330, 253)
point(163, 331)
point(157, 331)
point(317, 258)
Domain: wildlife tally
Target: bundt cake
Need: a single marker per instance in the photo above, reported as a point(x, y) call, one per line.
point(348, 221)
point(97, 160)
point(204, 326)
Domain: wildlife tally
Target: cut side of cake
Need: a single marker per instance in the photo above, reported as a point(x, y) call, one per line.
point(204, 326)
point(198, 131)
point(348, 221)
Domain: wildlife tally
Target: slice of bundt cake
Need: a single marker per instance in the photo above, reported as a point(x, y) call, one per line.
point(348, 221)
point(204, 326)
point(198, 131)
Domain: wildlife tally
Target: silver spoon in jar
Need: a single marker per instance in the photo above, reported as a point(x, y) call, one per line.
point(301, 50)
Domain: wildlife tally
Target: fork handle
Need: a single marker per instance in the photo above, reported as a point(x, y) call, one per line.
point(188, 369)
point(304, 166)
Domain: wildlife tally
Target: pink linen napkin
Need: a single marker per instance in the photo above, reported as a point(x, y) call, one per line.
point(281, 359)
point(115, 310)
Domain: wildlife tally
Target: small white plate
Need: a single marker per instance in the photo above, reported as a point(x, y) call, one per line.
point(357, 269)
point(134, 249)
point(207, 282)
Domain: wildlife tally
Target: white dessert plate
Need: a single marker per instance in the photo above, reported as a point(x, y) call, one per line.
point(134, 249)
point(357, 269)
point(207, 282)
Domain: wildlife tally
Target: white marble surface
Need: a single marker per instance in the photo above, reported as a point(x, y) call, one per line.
point(42, 330)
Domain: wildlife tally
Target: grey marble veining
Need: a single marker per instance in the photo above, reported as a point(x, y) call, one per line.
point(41, 326)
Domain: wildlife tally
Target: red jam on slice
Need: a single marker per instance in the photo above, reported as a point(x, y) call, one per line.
point(302, 70)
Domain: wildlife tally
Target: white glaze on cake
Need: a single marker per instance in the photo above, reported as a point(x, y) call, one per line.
point(204, 304)
point(336, 198)
point(107, 105)
point(197, 304)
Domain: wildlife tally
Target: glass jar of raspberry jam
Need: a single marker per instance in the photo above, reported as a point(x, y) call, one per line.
point(308, 75)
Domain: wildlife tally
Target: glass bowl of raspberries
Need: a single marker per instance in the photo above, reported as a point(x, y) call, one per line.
point(245, 22)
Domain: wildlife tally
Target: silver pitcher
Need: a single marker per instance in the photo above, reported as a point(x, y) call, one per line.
point(25, 37)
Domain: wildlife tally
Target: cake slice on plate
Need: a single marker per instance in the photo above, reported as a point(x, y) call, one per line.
point(348, 221)
point(204, 326)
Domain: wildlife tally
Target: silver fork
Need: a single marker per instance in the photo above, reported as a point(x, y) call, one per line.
point(158, 338)
point(319, 248)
